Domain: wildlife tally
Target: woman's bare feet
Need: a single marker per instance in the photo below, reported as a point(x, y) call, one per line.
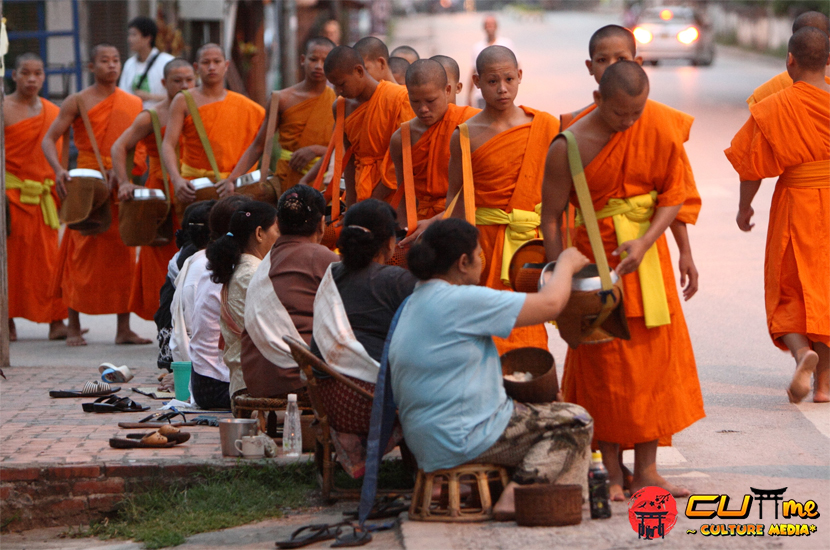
point(800, 385)
point(12, 331)
point(505, 508)
point(130, 337)
point(653, 479)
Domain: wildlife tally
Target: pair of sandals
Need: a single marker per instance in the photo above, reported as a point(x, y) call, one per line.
point(113, 404)
point(311, 534)
point(164, 437)
point(165, 418)
point(94, 388)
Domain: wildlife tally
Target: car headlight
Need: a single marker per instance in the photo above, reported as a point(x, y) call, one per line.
point(642, 35)
point(688, 35)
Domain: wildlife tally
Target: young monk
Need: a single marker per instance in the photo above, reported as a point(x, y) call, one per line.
point(33, 239)
point(431, 129)
point(453, 75)
point(375, 56)
point(407, 52)
point(783, 80)
point(612, 44)
point(646, 388)
point(373, 111)
point(508, 144)
point(151, 270)
point(231, 121)
point(788, 135)
point(398, 66)
point(305, 120)
point(93, 269)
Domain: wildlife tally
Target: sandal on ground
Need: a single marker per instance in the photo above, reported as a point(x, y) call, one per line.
point(90, 389)
point(125, 404)
point(167, 436)
point(309, 534)
point(358, 537)
point(148, 422)
point(108, 400)
point(385, 507)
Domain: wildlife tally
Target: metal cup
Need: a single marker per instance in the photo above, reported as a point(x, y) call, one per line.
point(231, 429)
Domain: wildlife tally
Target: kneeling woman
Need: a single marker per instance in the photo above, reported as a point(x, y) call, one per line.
point(446, 373)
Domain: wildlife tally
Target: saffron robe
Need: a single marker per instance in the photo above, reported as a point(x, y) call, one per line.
point(231, 125)
point(32, 244)
point(369, 129)
point(309, 122)
point(431, 161)
point(788, 135)
point(772, 86)
point(95, 271)
point(645, 388)
point(690, 210)
point(507, 173)
point(151, 269)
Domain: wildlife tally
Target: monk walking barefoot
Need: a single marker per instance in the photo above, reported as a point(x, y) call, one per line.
point(797, 296)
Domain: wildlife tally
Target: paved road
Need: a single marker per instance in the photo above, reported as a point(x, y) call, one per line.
point(751, 436)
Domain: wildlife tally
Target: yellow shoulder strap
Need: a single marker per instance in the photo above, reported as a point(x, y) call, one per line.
point(273, 120)
point(200, 129)
point(467, 188)
point(154, 117)
point(91, 134)
point(408, 179)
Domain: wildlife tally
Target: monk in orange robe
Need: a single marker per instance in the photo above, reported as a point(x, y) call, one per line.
point(788, 135)
point(783, 80)
point(231, 122)
point(453, 75)
point(32, 199)
point(305, 120)
point(375, 56)
point(644, 389)
point(373, 111)
point(151, 270)
point(508, 145)
point(93, 269)
point(430, 132)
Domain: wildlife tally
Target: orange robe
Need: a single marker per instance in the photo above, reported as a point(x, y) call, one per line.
point(231, 125)
point(32, 244)
point(788, 135)
point(773, 86)
point(95, 271)
point(507, 173)
point(151, 270)
point(309, 122)
point(369, 129)
point(645, 388)
point(431, 161)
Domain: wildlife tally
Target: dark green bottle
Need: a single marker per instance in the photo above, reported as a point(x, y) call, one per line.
point(598, 488)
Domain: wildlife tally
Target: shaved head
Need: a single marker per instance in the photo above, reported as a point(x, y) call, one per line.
point(321, 41)
point(813, 19)
point(623, 76)
point(23, 58)
point(371, 48)
point(426, 71)
point(611, 31)
point(398, 66)
point(342, 59)
point(810, 48)
point(209, 46)
point(450, 66)
point(406, 52)
point(174, 64)
point(96, 49)
point(495, 54)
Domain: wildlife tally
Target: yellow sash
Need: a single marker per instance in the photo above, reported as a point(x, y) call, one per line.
point(285, 155)
point(190, 173)
point(632, 218)
point(810, 175)
point(34, 192)
point(522, 226)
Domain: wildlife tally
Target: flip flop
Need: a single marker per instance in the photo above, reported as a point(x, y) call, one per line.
point(385, 507)
point(154, 440)
point(358, 537)
point(111, 399)
point(313, 533)
point(125, 404)
point(93, 388)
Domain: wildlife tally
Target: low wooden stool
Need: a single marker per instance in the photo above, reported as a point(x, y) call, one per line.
point(244, 405)
point(449, 507)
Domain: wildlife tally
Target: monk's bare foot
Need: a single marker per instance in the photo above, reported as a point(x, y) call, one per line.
point(12, 331)
point(75, 338)
point(800, 384)
point(505, 508)
point(59, 331)
point(656, 480)
point(130, 337)
point(628, 477)
point(821, 388)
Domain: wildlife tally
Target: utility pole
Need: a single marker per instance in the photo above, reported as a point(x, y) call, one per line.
point(4, 276)
point(289, 50)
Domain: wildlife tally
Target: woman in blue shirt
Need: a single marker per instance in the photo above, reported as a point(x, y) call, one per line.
point(446, 373)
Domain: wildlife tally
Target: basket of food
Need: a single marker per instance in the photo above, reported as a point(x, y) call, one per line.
point(548, 505)
point(530, 375)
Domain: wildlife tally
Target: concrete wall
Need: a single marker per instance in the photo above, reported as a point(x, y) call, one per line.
point(754, 30)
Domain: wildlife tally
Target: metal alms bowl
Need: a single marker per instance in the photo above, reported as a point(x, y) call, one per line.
point(248, 179)
point(585, 280)
point(85, 173)
point(201, 183)
point(147, 194)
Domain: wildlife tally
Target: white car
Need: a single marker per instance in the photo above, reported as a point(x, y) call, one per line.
point(674, 32)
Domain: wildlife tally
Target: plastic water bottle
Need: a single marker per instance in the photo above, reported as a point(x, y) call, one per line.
point(598, 488)
point(292, 437)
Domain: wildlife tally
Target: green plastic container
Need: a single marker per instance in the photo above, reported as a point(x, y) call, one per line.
point(181, 377)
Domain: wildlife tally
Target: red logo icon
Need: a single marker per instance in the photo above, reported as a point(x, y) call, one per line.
point(652, 512)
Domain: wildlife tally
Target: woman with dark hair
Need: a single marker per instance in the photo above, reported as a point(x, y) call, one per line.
point(281, 294)
point(232, 260)
point(446, 373)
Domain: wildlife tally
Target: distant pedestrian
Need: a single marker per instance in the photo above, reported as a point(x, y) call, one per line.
point(143, 72)
point(474, 98)
point(331, 30)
